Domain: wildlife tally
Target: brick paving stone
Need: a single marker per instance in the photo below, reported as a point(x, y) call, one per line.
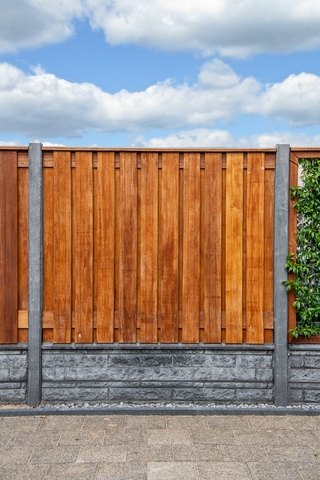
point(37, 438)
point(103, 422)
point(215, 436)
point(274, 471)
point(291, 453)
point(231, 422)
point(302, 438)
point(126, 436)
point(187, 422)
point(154, 453)
point(11, 424)
point(23, 472)
point(83, 437)
point(269, 423)
point(73, 471)
point(304, 423)
point(172, 471)
point(153, 421)
point(164, 437)
point(196, 452)
point(255, 437)
point(122, 471)
point(224, 471)
point(62, 422)
point(48, 454)
point(106, 453)
point(242, 453)
point(15, 454)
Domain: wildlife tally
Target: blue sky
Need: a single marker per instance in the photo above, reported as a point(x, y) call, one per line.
point(157, 73)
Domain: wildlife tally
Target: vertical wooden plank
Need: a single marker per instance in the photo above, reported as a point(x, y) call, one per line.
point(84, 248)
point(62, 247)
point(212, 247)
point(149, 247)
point(268, 246)
point(128, 247)
point(23, 238)
point(255, 248)
point(105, 247)
point(292, 239)
point(169, 237)
point(8, 247)
point(191, 249)
point(48, 239)
point(234, 244)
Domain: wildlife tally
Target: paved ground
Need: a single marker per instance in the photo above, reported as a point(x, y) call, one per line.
point(160, 448)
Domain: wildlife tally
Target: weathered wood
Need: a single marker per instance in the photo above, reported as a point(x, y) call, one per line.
point(169, 226)
point(105, 247)
point(84, 248)
point(128, 247)
point(234, 247)
point(191, 248)
point(255, 248)
point(62, 247)
point(149, 247)
point(212, 247)
point(8, 247)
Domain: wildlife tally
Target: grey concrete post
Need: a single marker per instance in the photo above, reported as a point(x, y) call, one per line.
point(35, 272)
point(281, 231)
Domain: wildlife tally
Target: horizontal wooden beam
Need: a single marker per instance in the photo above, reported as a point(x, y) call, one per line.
point(47, 319)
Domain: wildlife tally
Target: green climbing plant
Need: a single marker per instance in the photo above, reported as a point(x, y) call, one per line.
point(306, 264)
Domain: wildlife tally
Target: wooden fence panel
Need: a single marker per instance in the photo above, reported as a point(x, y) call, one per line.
point(105, 247)
point(8, 247)
point(62, 247)
point(149, 248)
point(191, 249)
point(152, 246)
point(128, 248)
point(84, 248)
point(169, 238)
point(255, 248)
point(234, 247)
point(212, 247)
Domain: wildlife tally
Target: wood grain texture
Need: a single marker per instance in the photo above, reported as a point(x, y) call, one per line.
point(292, 240)
point(128, 248)
point(62, 247)
point(191, 248)
point(83, 248)
point(8, 247)
point(149, 248)
point(268, 241)
point(255, 248)
point(234, 246)
point(169, 238)
point(105, 247)
point(212, 247)
point(48, 238)
point(23, 238)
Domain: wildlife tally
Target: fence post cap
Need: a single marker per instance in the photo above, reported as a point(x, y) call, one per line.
point(35, 141)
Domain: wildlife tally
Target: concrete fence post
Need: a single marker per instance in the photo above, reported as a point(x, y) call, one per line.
point(35, 272)
point(281, 231)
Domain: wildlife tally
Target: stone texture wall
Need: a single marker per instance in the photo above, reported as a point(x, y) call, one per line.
point(180, 375)
point(304, 376)
point(13, 376)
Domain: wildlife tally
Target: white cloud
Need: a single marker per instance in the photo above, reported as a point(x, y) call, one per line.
point(294, 100)
point(41, 104)
point(203, 137)
point(33, 23)
point(229, 27)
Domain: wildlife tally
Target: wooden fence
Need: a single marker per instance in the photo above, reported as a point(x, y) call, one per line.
point(142, 246)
